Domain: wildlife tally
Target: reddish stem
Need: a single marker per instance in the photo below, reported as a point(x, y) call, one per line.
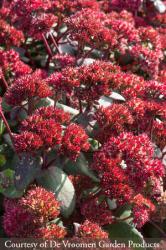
point(86, 55)
point(80, 106)
point(30, 106)
point(4, 82)
point(47, 46)
point(49, 163)
point(7, 125)
point(126, 218)
point(54, 42)
point(62, 35)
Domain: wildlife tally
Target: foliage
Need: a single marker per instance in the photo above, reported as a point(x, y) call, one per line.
point(83, 118)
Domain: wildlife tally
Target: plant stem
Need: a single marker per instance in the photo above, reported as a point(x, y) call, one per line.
point(7, 125)
point(62, 35)
point(49, 163)
point(4, 82)
point(54, 42)
point(47, 46)
point(30, 106)
point(85, 56)
point(80, 106)
point(126, 218)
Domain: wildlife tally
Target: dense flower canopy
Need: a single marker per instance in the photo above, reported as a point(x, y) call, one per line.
point(82, 118)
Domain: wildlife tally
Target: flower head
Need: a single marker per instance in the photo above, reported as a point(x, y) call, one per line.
point(74, 140)
point(27, 142)
point(41, 203)
point(113, 120)
point(58, 115)
point(102, 213)
point(28, 86)
point(17, 222)
point(49, 232)
point(91, 230)
point(115, 187)
point(9, 35)
point(39, 16)
point(24, 216)
point(12, 65)
point(142, 210)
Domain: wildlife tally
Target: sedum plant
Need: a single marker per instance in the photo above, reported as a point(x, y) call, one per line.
point(83, 118)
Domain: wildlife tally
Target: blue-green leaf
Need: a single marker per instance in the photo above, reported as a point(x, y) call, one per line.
point(55, 180)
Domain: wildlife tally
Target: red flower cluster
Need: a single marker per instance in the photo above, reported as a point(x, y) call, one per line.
point(27, 87)
point(41, 203)
point(9, 35)
point(113, 120)
point(142, 210)
point(64, 8)
point(63, 61)
point(12, 65)
point(114, 185)
point(104, 62)
point(155, 90)
point(149, 112)
point(17, 222)
point(24, 216)
point(159, 133)
point(49, 232)
point(65, 80)
point(125, 33)
point(88, 27)
point(91, 230)
point(74, 140)
point(53, 113)
point(123, 164)
point(27, 142)
point(39, 16)
point(102, 213)
point(89, 82)
point(131, 5)
point(42, 129)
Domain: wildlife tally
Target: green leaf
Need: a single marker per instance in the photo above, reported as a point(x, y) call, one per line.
point(94, 144)
point(125, 212)
point(105, 101)
point(18, 113)
point(5, 106)
point(8, 140)
point(2, 159)
point(111, 204)
point(82, 119)
point(125, 232)
point(2, 127)
point(117, 96)
point(80, 167)
point(45, 102)
point(160, 6)
point(67, 48)
point(12, 192)
point(152, 232)
point(26, 170)
point(57, 221)
point(68, 109)
point(55, 180)
point(11, 160)
point(6, 179)
point(7, 187)
point(95, 190)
